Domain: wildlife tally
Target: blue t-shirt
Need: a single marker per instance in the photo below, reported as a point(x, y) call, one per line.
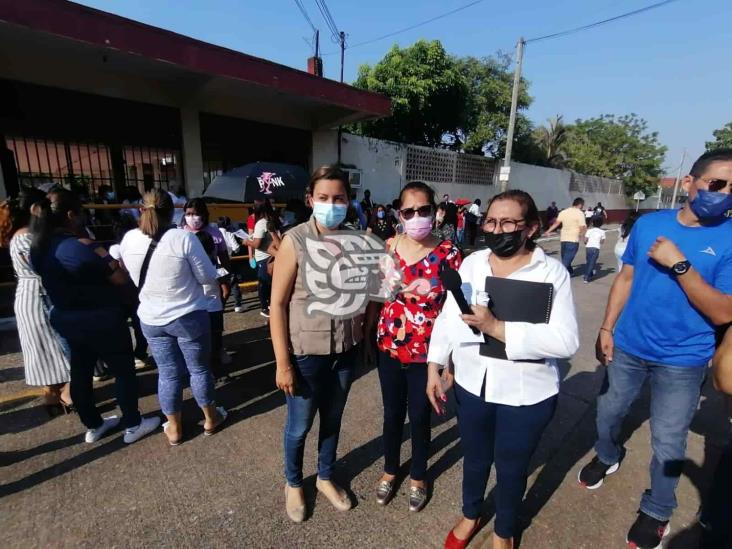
point(74, 276)
point(658, 322)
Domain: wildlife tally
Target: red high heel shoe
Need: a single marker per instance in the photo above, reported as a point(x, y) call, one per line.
point(453, 542)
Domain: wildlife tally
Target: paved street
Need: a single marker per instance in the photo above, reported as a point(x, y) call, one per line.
point(227, 490)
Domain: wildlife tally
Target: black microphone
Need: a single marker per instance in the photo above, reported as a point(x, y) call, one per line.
point(452, 282)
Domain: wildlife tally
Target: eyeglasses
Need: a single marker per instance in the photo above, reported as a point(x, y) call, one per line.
point(422, 211)
point(507, 225)
point(715, 184)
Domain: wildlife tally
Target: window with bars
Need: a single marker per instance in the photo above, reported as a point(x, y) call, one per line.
point(86, 166)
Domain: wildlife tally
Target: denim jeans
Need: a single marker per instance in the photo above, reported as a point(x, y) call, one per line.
point(674, 398)
point(460, 234)
point(592, 255)
point(264, 288)
point(403, 388)
point(235, 290)
point(322, 383)
point(505, 436)
point(568, 251)
point(90, 336)
point(181, 348)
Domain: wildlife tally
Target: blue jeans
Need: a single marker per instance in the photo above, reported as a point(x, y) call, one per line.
point(182, 348)
point(403, 388)
point(460, 235)
point(322, 383)
point(505, 436)
point(592, 255)
point(264, 288)
point(568, 251)
point(674, 398)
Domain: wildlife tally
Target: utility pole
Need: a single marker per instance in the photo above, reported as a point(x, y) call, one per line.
point(342, 41)
point(512, 119)
point(678, 179)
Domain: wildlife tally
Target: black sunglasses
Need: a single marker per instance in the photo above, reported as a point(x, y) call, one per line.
point(422, 211)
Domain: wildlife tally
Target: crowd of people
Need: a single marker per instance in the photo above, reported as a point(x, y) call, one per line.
point(169, 277)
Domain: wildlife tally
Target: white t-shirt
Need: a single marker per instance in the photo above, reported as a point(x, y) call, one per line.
point(175, 277)
point(114, 251)
point(260, 231)
point(474, 209)
point(595, 237)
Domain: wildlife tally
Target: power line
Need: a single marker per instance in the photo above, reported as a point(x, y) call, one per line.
point(328, 18)
point(598, 23)
point(305, 15)
point(416, 25)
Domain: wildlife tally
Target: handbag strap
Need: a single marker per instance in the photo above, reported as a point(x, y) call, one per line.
point(146, 262)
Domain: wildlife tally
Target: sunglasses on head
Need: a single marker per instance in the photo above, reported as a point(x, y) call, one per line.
point(715, 185)
point(422, 211)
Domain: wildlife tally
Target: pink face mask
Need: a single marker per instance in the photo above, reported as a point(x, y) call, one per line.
point(195, 222)
point(418, 227)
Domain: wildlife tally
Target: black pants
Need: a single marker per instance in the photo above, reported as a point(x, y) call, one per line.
point(471, 230)
point(140, 341)
point(90, 336)
point(217, 342)
point(264, 287)
point(501, 434)
point(403, 388)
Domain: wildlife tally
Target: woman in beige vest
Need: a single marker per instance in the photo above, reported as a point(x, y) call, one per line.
point(315, 353)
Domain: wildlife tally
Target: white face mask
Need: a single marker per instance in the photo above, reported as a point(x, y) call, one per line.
point(195, 222)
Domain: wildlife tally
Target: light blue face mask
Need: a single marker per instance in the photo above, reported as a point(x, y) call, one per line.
point(329, 215)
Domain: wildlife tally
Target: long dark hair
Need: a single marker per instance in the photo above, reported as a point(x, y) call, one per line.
point(15, 213)
point(51, 215)
point(265, 211)
point(450, 214)
point(627, 225)
point(529, 209)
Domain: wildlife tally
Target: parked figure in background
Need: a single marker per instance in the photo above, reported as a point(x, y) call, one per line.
point(170, 268)
point(315, 354)
point(472, 218)
point(573, 224)
point(83, 283)
point(593, 242)
point(460, 226)
point(265, 241)
point(599, 212)
point(367, 206)
point(403, 336)
point(446, 222)
point(552, 212)
point(382, 225)
point(622, 242)
point(44, 361)
point(659, 325)
point(503, 405)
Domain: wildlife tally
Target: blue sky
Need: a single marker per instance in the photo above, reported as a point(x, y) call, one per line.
point(671, 66)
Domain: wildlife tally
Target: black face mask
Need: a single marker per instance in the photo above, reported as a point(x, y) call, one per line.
point(505, 244)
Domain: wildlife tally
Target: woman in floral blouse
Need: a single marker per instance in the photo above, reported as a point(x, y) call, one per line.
point(403, 336)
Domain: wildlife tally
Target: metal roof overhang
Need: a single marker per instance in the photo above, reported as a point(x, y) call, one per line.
point(62, 44)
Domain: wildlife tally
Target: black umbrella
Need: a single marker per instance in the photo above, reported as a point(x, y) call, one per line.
point(278, 182)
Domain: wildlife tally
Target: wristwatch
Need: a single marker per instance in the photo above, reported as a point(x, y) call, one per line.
point(682, 267)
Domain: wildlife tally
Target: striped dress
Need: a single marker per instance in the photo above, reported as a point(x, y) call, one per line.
point(44, 360)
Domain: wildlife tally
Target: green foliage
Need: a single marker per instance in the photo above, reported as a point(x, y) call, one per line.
point(722, 138)
point(551, 140)
point(618, 147)
point(427, 91)
point(488, 106)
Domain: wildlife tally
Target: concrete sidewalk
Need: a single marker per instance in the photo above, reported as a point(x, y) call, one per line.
point(226, 490)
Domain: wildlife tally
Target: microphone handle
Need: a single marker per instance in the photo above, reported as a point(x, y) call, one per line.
point(464, 307)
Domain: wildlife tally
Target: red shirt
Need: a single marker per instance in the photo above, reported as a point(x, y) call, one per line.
point(251, 221)
point(405, 324)
point(461, 220)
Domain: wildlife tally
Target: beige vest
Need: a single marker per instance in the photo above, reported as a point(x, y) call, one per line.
point(316, 334)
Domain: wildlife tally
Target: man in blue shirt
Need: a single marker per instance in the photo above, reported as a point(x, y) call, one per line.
point(672, 291)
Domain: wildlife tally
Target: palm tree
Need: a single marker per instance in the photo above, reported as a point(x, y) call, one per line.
point(551, 140)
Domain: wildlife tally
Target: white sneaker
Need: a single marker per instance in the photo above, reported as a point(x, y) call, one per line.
point(240, 309)
point(146, 426)
point(92, 435)
point(224, 358)
point(140, 364)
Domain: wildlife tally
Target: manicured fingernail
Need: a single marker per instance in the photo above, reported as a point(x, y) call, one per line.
point(443, 398)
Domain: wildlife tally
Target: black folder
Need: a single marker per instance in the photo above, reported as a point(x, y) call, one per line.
point(516, 301)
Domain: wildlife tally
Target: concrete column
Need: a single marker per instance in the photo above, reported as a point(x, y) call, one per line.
point(192, 154)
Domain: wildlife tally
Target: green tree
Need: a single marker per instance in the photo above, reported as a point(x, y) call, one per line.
point(487, 109)
point(620, 147)
point(551, 141)
point(722, 138)
point(427, 91)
